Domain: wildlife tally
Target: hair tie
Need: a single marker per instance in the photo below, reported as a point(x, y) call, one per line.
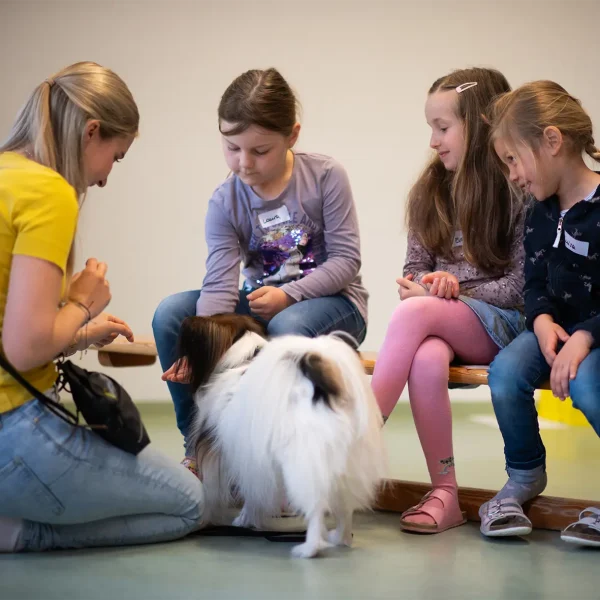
point(50, 82)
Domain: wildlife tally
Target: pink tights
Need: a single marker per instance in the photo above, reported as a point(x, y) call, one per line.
point(424, 336)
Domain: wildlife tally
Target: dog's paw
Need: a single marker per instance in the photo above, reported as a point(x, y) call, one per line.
point(307, 550)
point(338, 538)
point(242, 520)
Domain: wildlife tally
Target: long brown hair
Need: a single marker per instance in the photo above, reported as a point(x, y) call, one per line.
point(523, 115)
point(203, 341)
point(476, 198)
point(259, 97)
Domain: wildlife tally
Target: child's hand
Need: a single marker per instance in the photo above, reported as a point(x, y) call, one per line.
point(179, 372)
point(407, 288)
point(442, 284)
point(548, 334)
point(268, 300)
point(567, 362)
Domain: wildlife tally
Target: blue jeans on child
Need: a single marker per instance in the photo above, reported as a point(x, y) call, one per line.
point(309, 318)
point(75, 490)
point(514, 375)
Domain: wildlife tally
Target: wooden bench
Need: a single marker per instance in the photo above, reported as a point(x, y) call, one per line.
point(142, 352)
point(545, 512)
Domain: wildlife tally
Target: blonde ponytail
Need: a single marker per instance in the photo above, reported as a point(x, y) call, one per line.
point(53, 120)
point(51, 124)
point(524, 114)
point(591, 150)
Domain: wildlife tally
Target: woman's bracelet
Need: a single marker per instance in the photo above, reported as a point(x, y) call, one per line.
point(84, 308)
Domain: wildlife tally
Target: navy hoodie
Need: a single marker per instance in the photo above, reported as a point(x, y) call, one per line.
point(562, 264)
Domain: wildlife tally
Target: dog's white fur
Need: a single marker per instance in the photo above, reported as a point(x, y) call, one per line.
point(273, 442)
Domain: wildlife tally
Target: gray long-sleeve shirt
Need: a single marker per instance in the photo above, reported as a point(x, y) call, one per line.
point(306, 241)
point(503, 289)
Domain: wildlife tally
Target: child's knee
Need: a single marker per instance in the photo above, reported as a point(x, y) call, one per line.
point(432, 360)
point(585, 393)
point(172, 310)
point(502, 376)
point(409, 309)
point(289, 323)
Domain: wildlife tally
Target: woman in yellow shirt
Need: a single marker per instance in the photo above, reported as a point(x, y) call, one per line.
point(65, 487)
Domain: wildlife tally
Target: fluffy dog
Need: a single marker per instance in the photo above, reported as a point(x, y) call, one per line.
point(292, 419)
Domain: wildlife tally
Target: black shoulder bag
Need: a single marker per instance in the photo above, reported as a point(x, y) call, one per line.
point(105, 405)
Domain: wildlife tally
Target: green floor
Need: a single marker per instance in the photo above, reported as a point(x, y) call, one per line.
point(385, 562)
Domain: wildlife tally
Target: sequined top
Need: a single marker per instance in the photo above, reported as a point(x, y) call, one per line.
point(503, 289)
point(306, 241)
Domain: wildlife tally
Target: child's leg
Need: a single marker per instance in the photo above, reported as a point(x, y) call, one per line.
point(514, 375)
point(413, 322)
point(430, 405)
point(319, 316)
point(422, 340)
point(585, 389)
point(166, 325)
point(585, 393)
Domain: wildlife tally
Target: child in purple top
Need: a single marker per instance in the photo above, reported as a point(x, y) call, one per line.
point(289, 218)
point(462, 286)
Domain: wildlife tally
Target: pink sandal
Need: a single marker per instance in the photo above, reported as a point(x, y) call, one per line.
point(446, 517)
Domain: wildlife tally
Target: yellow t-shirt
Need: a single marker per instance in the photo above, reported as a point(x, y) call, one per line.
point(38, 215)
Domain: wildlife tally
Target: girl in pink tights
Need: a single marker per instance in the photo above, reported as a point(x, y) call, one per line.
point(462, 289)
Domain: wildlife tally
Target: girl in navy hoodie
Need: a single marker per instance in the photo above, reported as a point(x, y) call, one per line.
point(540, 133)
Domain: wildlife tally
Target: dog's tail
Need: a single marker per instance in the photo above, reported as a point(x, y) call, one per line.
point(324, 375)
point(312, 420)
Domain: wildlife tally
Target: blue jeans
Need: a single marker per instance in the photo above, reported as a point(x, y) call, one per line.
point(514, 375)
point(75, 490)
point(309, 318)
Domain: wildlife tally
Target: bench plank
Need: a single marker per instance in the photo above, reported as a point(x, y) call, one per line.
point(142, 352)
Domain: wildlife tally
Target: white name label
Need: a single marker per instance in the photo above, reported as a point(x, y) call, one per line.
point(274, 217)
point(458, 239)
point(581, 248)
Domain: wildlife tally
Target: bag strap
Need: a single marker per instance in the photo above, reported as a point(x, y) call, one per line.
point(58, 409)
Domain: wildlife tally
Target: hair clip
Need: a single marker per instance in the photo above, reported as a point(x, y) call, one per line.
point(465, 86)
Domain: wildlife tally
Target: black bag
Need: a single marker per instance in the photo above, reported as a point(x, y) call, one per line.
point(105, 405)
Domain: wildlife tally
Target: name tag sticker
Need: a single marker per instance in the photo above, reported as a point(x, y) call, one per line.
point(581, 248)
point(458, 239)
point(274, 217)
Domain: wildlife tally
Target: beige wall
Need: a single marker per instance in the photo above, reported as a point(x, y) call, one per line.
point(361, 70)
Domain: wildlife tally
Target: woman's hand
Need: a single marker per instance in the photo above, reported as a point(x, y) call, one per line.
point(101, 331)
point(90, 287)
point(105, 329)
